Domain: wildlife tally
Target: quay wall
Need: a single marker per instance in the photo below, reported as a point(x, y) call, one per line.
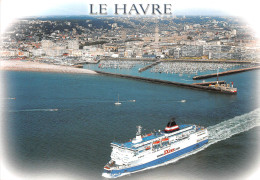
point(224, 73)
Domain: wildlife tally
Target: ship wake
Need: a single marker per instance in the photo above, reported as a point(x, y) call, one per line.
point(231, 127)
point(34, 110)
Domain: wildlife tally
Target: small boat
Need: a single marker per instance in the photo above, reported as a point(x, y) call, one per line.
point(118, 103)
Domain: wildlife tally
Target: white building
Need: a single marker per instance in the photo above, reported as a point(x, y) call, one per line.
point(38, 52)
point(47, 44)
point(7, 53)
point(73, 44)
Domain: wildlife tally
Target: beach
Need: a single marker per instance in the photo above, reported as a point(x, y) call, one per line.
point(17, 65)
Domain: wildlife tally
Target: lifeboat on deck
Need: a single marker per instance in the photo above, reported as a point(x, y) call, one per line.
point(156, 142)
point(147, 148)
point(165, 139)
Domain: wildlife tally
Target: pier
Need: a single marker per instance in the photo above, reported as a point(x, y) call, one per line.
point(158, 81)
point(225, 73)
point(149, 66)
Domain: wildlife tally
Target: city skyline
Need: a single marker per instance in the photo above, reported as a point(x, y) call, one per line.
point(180, 37)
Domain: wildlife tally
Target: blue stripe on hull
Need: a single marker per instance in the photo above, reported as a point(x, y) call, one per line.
point(115, 173)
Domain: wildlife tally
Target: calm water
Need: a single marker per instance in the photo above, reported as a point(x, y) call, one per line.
point(163, 70)
point(65, 122)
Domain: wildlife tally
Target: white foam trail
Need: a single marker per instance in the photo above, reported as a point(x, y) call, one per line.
point(32, 110)
point(9, 98)
point(133, 100)
point(222, 131)
point(236, 125)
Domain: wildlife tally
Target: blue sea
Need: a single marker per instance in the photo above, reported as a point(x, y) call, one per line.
point(62, 124)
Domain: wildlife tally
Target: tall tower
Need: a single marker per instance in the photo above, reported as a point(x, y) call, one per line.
point(156, 37)
point(123, 35)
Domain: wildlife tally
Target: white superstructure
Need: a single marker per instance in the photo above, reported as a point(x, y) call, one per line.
point(155, 148)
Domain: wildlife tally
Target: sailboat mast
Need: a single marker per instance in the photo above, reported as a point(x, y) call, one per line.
point(117, 102)
point(217, 76)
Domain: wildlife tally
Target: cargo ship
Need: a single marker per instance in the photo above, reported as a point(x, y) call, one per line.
point(152, 149)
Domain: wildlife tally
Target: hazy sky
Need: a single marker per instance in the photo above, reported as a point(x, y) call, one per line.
point(81, 7)
point(11, 9)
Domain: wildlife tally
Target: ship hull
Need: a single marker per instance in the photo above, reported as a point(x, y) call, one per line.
point(120, 172)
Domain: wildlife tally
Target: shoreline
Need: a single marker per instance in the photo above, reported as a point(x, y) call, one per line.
point(17, 65)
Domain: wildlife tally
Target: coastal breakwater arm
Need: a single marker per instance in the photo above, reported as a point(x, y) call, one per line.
point(158, 81)
point(149, 66)
point(224, 73)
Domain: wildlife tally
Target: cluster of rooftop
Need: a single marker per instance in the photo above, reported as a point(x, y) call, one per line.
point(83, 37)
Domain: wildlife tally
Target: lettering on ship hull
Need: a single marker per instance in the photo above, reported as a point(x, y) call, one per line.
point(168, 151)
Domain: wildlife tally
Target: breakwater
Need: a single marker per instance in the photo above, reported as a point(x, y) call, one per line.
point(149, 66)
point(158, 81)
point(225, 73)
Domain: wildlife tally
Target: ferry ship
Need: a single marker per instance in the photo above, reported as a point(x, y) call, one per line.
point(153, 149)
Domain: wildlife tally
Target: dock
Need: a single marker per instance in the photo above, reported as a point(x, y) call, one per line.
point(165, 82)
point(149, 66)
point(225, 73)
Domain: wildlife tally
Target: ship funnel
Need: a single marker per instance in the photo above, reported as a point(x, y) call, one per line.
point(138, 137)
point(171, 126)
